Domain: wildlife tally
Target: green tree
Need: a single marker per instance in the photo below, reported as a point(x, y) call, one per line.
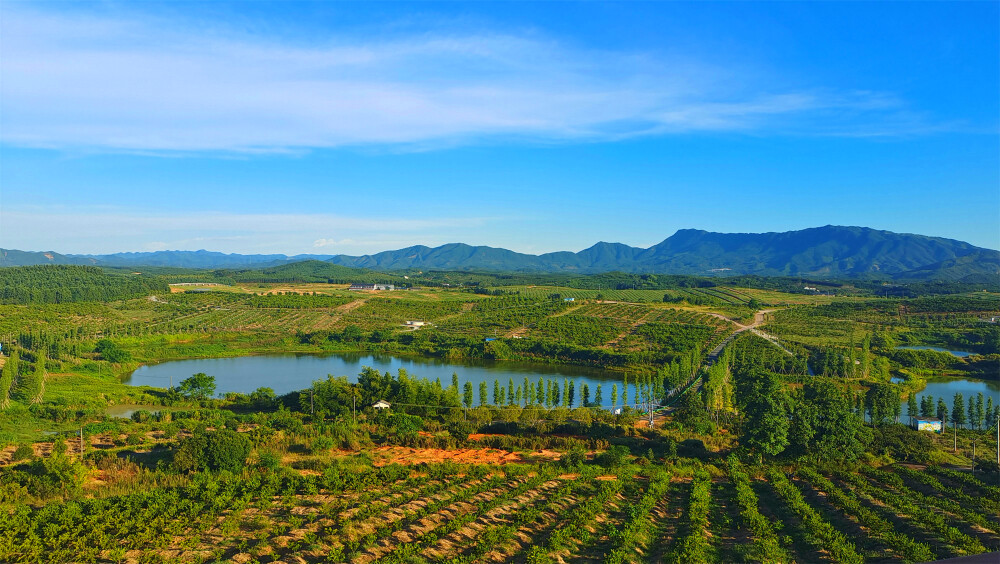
point(8, 377)
point(958, 410)
point(467, 397)
point(36, 391)
point(497, 398)
point(926, 406)
point(976, 412)
point(823, 424)
point(881, 401)
point(585, 390)
point(942, 412)
point(483, 393)
point(614, 395)
point(692, 413)
point(219, 450)
point(510, 391)
point(111, 352)
point(199, 386)
point(569, 395)
point(352, 333)
point(765, 409)
point(598, 397)
point(911, 407)
point(556, 397)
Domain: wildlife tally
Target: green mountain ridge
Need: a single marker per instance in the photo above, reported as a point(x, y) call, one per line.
point(829, 251)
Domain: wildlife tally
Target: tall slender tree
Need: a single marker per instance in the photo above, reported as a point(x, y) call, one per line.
point(979, 414)
point(8, 378)
point(483, 393)
point(971, 412)
point(467, 397)
point(39, 377)
point(942, 412)
point(958, 409)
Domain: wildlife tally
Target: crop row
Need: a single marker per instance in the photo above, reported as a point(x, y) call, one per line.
point(879, 528)
point(822, 534)
point(694, 546)
point(909, 502)
point(765, 546)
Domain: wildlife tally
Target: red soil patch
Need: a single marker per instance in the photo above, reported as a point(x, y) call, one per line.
point(481, 436)
point(406, 455)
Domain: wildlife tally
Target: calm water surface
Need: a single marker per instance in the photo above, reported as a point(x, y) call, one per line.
point(287, 373)
point(961, 354)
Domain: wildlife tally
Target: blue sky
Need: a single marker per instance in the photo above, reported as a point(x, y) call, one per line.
point(358, 127)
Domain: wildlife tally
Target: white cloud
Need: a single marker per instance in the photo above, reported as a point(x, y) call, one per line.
point(132, 84)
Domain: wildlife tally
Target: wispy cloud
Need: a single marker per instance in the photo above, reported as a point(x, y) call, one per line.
point(138, 84)
point(104, 229)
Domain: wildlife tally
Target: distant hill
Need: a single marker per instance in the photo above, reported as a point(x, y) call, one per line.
point(830, 251)
point(178, 259)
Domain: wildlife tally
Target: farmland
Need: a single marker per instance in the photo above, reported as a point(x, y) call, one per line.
point(797, 453)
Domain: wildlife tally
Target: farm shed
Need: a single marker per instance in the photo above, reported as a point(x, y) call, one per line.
point(927, 424)
point(381, 404)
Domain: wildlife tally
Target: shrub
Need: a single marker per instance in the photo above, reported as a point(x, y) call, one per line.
point(23, 452)
point(221, 450)
point(615, 456)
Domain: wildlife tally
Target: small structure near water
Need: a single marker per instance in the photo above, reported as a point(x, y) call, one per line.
point(928, 424)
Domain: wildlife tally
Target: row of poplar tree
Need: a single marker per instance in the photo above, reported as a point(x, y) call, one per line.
point(18, 382)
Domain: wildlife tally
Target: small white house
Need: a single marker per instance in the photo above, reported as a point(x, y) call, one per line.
point(416, 323)
point(381, 404)
point(569, 299)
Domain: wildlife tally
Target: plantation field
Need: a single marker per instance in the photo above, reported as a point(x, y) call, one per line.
point(679, 512)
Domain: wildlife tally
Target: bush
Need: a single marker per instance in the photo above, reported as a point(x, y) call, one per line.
point(901, 443)
point(221, 450)
point(575, 457)
point(616, 455)
point(111, 352)
point(23, 452)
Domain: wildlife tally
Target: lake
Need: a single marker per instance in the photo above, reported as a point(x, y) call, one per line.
point(961, 354)
point(946, 388)
point(287, 373)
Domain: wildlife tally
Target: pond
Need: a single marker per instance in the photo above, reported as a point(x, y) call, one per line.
point(960, 354)
point(287, 373)
point(946, 388)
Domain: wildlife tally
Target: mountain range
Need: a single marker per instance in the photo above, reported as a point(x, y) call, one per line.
point(830, 251)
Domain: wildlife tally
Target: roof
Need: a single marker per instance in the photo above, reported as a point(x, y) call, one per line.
point(381, 404)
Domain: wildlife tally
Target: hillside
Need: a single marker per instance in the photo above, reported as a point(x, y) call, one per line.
point(830, 251)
